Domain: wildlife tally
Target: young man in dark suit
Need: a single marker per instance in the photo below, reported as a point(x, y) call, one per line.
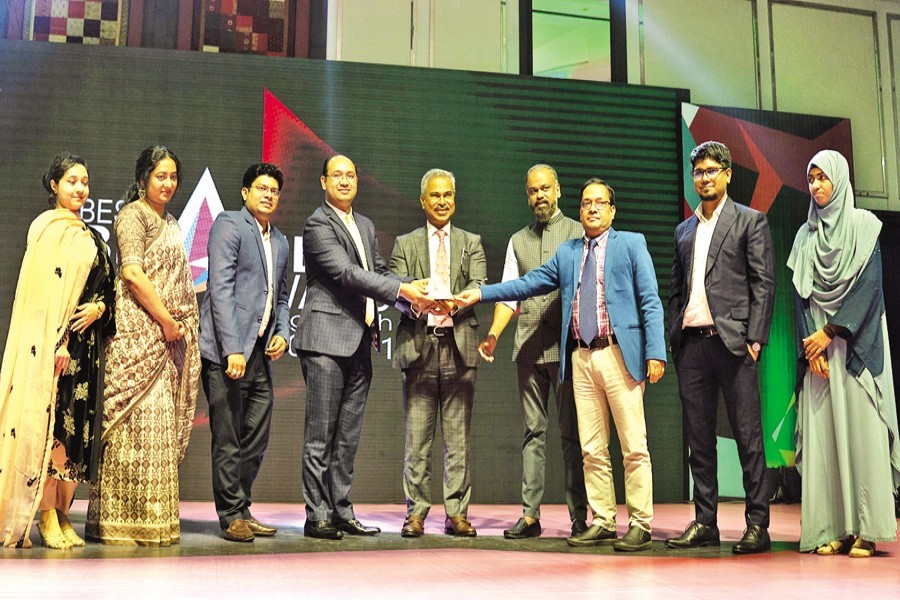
point(243, 326)
point(720, 309)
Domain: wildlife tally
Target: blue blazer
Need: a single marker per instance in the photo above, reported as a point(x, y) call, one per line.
point(632, 297)
point(235, 299)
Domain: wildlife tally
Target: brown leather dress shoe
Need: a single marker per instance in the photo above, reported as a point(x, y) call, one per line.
point(259, 529)
point(413, 527)
point(238, 531)
point(459, 526)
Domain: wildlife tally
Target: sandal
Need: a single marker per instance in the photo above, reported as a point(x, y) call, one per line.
point(56, 540)
point(72, 537)
point(66, 526)
point(862, 549)
point(835, 547)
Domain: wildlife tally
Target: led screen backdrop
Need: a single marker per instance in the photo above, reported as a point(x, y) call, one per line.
point(221, 113)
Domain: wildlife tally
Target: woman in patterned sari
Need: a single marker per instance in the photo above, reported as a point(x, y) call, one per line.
point(52, 377)
point(152, 368)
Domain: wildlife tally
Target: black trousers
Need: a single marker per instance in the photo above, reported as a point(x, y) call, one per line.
point(705, 366)
point(240, 414)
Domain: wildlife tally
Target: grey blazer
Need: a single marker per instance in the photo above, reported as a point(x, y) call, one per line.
point(235, 300)
point(740, 277)
point(468, 270)
point(333, 317)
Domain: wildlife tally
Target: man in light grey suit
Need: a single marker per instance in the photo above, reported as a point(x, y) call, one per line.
point(345, 275)
point(243, 326)
point(720, 309)
point(437, 350)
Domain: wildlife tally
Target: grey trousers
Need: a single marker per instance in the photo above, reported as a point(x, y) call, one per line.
point(535, 381)
point(438, 388)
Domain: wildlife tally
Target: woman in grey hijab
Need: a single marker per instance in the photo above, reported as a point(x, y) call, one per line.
point(847, 449)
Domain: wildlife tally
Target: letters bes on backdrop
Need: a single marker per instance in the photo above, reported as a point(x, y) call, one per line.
point(195, 222)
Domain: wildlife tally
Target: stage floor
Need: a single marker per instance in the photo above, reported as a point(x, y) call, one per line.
point(440, 566)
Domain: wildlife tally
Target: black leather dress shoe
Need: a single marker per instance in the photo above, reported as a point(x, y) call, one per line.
point(322, 530)
point(354, 527)
point(523, 529)
point(635, 540)
point(755, 540)
point(579, 526)
point(595, 535)
point(696, 535)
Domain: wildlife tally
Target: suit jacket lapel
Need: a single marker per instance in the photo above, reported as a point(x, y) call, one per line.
point(422, 266)
point(726, 220)
point(254, 226)
point(457, 245)
point(341, 227)
point(612, 247)
point(687, 250)
point(577, 254)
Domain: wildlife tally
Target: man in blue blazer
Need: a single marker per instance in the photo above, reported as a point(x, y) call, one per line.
point(345, 275)
point(612, 322)
point(243, 326)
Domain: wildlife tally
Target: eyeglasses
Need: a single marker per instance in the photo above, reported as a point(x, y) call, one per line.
point(698, 174)
point(589, 204)
point(337, 176)
point(262, 189)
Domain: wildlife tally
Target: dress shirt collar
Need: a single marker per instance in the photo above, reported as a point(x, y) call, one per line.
point(263, 231)
point(600, 238)
point(432, 229)
point(342, 215)
point(715, 215)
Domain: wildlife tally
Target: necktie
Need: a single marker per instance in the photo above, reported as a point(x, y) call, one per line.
point(442, 268)
point(357, 240)
point(441, 261)
point(587, 300)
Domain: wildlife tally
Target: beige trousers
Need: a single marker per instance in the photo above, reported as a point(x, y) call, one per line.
point(602, 385)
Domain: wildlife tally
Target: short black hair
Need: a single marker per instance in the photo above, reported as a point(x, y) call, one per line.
point(260, 169)
point(716, 151)
point(598, 181)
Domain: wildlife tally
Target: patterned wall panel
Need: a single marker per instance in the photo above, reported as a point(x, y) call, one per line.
point(245, 26)
point(93, 22)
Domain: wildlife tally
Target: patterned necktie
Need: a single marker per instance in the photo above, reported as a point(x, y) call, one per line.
point(442, 266)
point(587, 300)
point(441, 261)
point(357, 240)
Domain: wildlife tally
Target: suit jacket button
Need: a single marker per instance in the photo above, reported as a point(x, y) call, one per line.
point(259, 320)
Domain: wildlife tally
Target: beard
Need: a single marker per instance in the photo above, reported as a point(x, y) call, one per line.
point(544, 212)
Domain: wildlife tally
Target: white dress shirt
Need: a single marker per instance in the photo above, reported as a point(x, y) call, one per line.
point(696, 313)
point(433, 241)
point(270, 295)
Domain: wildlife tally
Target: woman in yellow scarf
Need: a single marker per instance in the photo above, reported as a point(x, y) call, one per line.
point(52, 375)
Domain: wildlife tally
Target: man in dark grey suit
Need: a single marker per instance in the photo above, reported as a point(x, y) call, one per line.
point(243, 326)
point(345, 275)
point(720, 309)
point(437, 350)
point(536, 352)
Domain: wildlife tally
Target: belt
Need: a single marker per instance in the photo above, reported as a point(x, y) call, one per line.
point(598, 343)
point(707, 332)
point(439, 331)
